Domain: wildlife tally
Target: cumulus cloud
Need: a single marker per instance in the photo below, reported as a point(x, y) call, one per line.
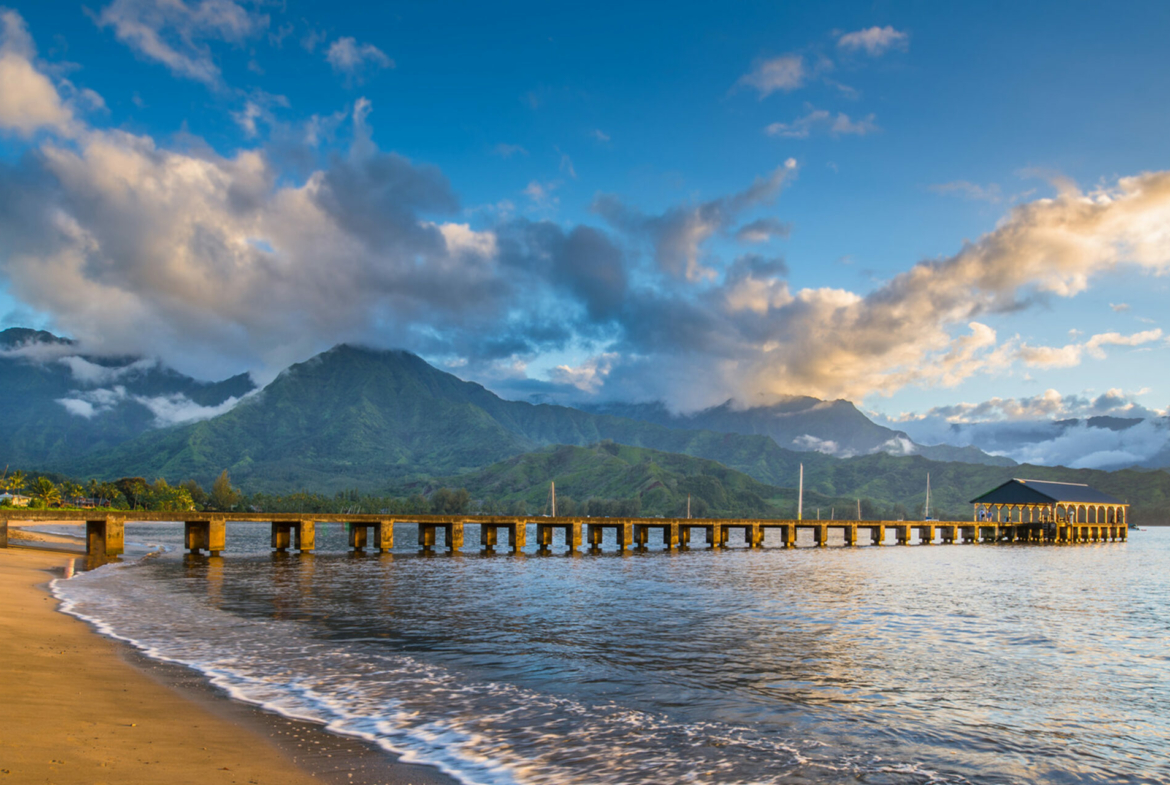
point(837, 125)
point(1071, 354)
point(175, 33)
point(762, 230)
point(1119, 307)
point(28, 100)
point(508, 150)
point(678, 234)
point(589, 376)
point(221, 263)
point(875, 41)
point(785, 74)
point(1109, 430)
point(352, 59)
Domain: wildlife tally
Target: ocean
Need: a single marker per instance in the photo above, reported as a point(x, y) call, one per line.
point(941, 664)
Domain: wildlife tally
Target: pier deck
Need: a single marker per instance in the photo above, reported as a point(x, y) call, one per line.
point(207, 532)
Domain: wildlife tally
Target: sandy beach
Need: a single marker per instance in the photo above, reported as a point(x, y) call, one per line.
point(81, 708)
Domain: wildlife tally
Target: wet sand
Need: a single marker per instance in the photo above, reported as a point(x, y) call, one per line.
point(82, 708)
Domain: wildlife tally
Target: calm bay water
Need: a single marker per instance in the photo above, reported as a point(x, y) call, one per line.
point(943, 664)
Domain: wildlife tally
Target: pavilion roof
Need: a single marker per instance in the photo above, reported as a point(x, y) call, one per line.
point(1045, 492)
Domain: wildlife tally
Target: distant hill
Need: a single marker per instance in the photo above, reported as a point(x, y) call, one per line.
point(803, 423)
point(372, 420)
point(57, 405)
point(361, 418)
point(659, 481)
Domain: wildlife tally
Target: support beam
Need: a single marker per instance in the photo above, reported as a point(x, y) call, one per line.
point(305, 536)
point(518, 535)
point(209, 535)
point(3, 532)
point(282, 537)
point(715, 535)
point(105, 537)
point(671, 536)
point(753, 535)
point(877, 535)
point(489, 536)
point(426, 536)
point(595, 535)
point(384, 534)
point(821, 535)
point(453, 535)
point(641, 536)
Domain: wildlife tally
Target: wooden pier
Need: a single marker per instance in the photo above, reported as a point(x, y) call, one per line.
point(207, 532)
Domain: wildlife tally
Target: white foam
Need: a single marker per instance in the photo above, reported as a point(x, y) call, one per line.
point(480, 732)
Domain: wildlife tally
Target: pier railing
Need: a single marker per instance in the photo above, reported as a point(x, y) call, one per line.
point(207, 531)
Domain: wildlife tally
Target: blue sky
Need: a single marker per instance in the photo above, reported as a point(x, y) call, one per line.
point(691, 203)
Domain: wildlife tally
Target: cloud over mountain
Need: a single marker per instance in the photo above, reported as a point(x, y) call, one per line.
point(225, 262)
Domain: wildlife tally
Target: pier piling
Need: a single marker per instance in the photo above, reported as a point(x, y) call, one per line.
point(105, 536)
point(209, 535)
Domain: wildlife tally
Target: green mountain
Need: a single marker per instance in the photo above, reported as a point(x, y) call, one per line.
point(658, 481)
point(803, 423)
point(885, 486)
point(361, 418)
point(354, 418)
point(59, 405)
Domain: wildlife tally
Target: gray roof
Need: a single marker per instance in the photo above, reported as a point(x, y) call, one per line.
point(1044, 492)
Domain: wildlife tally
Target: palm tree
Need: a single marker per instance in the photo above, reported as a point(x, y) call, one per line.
point(15, 481)
point(44, 489)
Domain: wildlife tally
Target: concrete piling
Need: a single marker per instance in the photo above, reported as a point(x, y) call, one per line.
point(105, 537)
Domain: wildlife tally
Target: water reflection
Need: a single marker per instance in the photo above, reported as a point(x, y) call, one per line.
point(1024, 663)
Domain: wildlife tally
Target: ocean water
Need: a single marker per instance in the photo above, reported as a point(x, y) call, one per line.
point(943, 664)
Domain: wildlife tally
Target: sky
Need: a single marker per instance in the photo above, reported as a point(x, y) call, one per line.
point(948, 213)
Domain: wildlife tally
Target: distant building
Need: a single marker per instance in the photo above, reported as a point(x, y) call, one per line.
point(1041, 501)
point(14, 499)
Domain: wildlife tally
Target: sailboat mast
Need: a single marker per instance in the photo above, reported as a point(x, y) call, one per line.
point(553, 491)
point(688, 506)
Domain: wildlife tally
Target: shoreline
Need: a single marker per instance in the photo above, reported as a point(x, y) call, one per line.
point(85, 708)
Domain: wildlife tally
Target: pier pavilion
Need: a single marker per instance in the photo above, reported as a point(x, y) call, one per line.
point(1066, 511)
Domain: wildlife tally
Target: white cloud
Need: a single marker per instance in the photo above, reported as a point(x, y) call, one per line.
point(1071, 354)
point(350, 58)
point(87, 372)
point(589, 376)
point(839, 125)
point(173, 409)
point(508, 150)
point(28, 100)
point(1119, 307)
point(600, 135)
point(178, 409)
point(875, 41)
point(785, 74)
point(810, 443)
point(541, 194)
point(174, 32)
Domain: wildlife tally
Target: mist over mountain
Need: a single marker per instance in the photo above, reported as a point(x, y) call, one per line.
point(1140, 438)
point(804, 424)
point(380, 420)
point(59, 404)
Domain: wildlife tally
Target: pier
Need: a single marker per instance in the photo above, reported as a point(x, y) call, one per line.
point(207, 532)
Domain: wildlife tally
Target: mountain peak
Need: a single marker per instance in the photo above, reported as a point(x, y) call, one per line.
point(15, 337)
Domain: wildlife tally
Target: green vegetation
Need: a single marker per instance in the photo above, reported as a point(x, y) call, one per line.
point(363, 430)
